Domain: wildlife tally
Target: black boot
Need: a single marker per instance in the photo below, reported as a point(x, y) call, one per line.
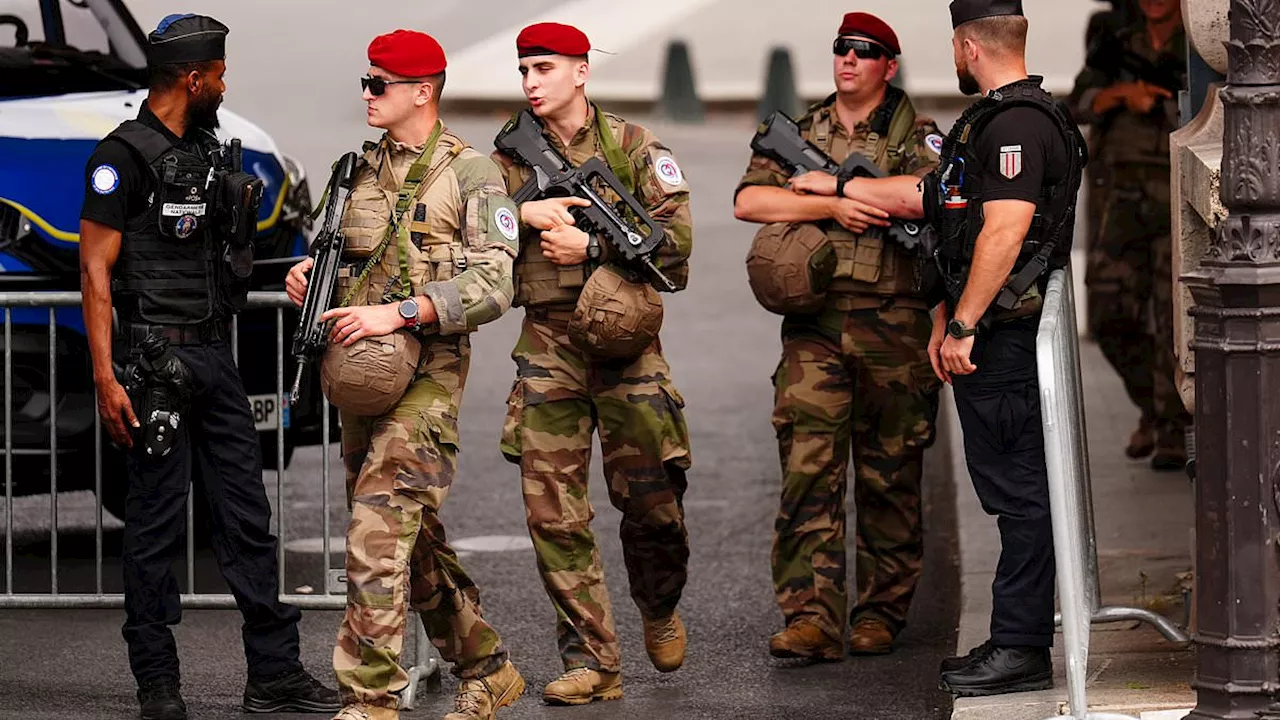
point(1001, 670)
point(292, 691)
point(161, 701)
point(959, 661)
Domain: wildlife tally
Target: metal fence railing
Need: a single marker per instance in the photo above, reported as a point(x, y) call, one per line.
point(1071, 498)
point(333, 594)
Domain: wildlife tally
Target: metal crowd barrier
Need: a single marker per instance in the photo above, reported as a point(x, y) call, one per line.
point(425, 667)
point(1070, 496)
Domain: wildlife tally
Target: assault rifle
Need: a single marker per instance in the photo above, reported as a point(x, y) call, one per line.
point(633, 236)
point(312, 334)
point(779, 139)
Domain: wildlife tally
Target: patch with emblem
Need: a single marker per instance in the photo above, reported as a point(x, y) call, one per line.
point(104, 179)
point(185, 226)
point(934, 141)
point(506, 222)
point(668, 171)
point(1011, 161)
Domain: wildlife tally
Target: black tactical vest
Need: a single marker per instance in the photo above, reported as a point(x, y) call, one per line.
point(169, 265)
point(950, 205)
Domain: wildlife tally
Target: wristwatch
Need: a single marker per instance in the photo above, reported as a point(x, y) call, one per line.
point(959, 330)
point(409, 312)
point(593, 247)
point(840, 182)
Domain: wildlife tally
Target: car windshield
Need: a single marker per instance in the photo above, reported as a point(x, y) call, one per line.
point(98, 48)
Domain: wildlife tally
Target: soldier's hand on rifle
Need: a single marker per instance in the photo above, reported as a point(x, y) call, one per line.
point(550, 213)
point(857, 216)
point(565, 245)
point(362, 321)
point(295, 283)
point(814, 183)
point(116, 411)
point(1145, 97)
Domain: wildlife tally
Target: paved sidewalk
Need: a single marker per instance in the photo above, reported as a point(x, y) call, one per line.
point(1144, 525)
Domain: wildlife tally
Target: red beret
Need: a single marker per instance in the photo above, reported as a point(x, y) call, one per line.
point(407, 53)
point(552, 39)
point(870, 26)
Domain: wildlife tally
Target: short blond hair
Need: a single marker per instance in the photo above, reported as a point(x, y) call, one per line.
point(1001, 34)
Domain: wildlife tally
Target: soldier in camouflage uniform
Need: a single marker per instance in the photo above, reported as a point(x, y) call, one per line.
point(854, 377)
point(562, 394)
point(420, 191)
point(1127, 92)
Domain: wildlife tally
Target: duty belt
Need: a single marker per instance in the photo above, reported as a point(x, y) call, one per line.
point(204, 333)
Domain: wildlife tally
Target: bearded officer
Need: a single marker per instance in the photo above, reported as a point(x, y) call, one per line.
point(569, 384)
point(855, 370)
point(430, 240)
point(1003, 203)
point(161, 200)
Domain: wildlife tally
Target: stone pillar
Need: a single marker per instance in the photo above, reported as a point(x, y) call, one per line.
point(1236, 292)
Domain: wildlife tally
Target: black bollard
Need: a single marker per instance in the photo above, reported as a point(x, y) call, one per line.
point(779, 86)
point(680, 102)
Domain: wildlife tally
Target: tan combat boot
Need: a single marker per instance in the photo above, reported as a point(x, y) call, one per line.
point(1143, 440)
point(870, 636)
point(803, 639)
point(367, 712)
point(665, 641)
point(582, 685)
point(481, 698)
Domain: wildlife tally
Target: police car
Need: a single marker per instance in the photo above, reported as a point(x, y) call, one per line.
point(70, 72)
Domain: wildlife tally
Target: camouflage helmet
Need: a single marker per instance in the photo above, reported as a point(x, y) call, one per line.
point(790, 266)
point(615, 317)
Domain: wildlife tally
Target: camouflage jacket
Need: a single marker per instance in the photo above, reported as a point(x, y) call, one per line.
point(461, 230)
point(918, 156)
point(660, 186)
point(1122, 136)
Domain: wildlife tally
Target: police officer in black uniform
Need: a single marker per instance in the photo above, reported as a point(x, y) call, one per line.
point(1003, 204)
point(166, 235)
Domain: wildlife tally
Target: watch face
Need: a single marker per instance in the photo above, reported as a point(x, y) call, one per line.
point(409, 309)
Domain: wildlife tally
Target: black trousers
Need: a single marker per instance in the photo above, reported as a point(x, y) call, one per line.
point(999, 408)
point(217, 441)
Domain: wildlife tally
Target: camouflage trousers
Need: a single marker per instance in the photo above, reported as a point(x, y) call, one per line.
point(559, 399)
point(399, 468)
point(854, 383)
point(1130, 282)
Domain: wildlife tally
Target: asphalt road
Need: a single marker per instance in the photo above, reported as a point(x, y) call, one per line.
point(722, 348)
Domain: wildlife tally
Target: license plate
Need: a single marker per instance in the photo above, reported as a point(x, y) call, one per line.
point(266, 413)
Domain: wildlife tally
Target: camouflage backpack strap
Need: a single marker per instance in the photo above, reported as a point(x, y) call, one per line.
point(617, 160)
point(819, 123)
point(418, 179)
point(901, 126)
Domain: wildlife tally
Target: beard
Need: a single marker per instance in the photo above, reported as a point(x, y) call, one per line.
point(968, 83)
point(202, 111)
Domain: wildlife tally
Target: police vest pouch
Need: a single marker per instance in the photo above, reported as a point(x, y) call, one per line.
point(790, 267)
point(184, 197)
point(371, 375)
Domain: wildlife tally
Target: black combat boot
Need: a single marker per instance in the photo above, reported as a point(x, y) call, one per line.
point(1001, 670)
point(292, 691)
point(959, 661)
point(161, 701)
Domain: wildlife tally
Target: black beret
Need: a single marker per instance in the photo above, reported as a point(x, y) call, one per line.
point(187, 39)
point(963, 11)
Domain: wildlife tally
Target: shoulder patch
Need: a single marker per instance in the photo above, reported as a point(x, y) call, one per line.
point(105, 179)
point(934, 141)
point(668, 171)
point(506, 222)
point(1011, 161)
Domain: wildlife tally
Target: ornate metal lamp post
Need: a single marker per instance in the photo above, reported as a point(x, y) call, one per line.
point(1237, 391)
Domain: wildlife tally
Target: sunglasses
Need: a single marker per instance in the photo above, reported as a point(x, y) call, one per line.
point(862, 49)
point(377, 86)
